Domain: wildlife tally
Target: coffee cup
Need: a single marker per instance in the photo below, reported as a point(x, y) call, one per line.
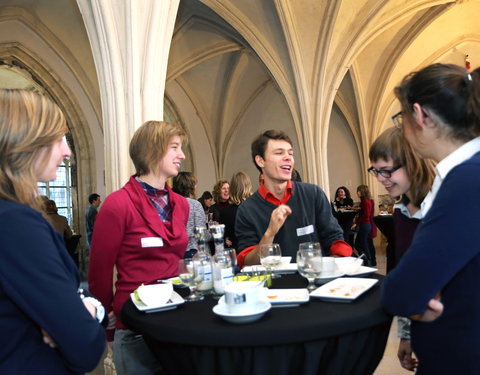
point(328, 266)
point(242, 297)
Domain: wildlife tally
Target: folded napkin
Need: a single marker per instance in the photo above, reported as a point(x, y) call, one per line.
point(155, 294)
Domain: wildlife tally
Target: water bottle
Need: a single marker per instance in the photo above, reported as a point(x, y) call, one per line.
point(222, 261)
point(203, 256)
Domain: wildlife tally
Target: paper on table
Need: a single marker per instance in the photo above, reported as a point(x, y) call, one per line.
point(155, 294)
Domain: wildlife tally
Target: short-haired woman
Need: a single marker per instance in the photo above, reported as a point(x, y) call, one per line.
point(407, 178)
point(141, 229)
point(46, 327)
point(436, 281)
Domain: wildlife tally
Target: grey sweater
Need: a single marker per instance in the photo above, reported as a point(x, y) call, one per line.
point(311, 221)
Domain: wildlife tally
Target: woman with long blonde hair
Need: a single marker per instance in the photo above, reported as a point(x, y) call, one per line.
point(240, 190)
point(40, 307)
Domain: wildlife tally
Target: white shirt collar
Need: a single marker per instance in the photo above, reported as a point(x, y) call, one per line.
point(404, 211)
point(461, 154)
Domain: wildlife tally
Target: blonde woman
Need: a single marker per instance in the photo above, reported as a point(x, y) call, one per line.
point(240, 190)
point(45, 325)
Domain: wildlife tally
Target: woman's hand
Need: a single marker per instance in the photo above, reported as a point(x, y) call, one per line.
point(47, 339)
point(405, 355)
point(434, 310)
point(112, 319)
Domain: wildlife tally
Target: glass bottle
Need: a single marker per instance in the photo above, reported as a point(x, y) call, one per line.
point(222, 261)
point(206, 286)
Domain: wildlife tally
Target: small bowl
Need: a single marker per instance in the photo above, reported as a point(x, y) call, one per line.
point(348, 265)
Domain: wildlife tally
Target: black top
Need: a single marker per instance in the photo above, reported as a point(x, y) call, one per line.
point(343, 203)
point(196, 324)
point(227, 217)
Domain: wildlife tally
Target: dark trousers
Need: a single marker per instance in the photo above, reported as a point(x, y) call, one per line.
point(362, 242)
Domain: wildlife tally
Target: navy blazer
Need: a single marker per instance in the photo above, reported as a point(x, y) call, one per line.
point(38, 289)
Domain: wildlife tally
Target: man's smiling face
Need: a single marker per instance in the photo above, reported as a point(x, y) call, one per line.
point(278, 162)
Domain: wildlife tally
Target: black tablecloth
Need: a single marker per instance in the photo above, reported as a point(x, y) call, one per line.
point(385, 224)
point(318, 337)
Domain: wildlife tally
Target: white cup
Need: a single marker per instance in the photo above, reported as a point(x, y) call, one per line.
point(328, 266)
point(242, 297)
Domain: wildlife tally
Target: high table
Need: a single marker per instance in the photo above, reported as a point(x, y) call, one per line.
point(315, 338)
point(345, 220)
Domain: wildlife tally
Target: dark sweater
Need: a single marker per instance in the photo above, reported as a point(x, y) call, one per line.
point(311, 220)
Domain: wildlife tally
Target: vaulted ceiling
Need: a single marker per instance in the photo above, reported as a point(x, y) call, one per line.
point(238, 67)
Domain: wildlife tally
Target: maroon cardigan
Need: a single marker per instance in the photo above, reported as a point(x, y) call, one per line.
point(123, 225)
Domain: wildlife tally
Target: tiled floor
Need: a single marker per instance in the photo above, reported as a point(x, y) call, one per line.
point(389, 364)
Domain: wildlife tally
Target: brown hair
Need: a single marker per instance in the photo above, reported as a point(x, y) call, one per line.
point(449, 93)
point(29, 125)
point(184, 184)
point(420, 172)
point(240, 188)
point(217, 189)
point(364, 191)
point(149, 144)
point(259, 145)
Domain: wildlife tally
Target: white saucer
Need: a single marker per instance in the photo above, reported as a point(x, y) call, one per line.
point(221, 310)
point(324, 278)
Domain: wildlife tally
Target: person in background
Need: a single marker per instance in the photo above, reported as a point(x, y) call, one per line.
point(436, 281)
point(407, 178)
point(185, 184)
point(46, 326)
point(140, 230)
point(221, 194)
point(240, 190)
point(58, 222)
point(207, 201)
point(283, 211)
point(364, 222)
point(91, 214)
point(343, 199)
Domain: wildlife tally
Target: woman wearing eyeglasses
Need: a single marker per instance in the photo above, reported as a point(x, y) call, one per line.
point(407, 178)
point(436, 282)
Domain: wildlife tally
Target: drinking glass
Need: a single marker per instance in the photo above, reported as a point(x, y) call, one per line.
point(309, 263)
point(233, 256)
point(270, 257)
point(191, 274)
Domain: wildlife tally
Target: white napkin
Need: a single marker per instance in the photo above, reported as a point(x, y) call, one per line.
point(155, 294)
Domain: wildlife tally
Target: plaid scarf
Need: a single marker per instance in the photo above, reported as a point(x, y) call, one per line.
point(159, 198)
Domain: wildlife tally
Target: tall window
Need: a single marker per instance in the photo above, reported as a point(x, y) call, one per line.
point(60, 191)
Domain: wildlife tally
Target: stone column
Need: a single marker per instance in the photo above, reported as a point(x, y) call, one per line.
point(130, 41)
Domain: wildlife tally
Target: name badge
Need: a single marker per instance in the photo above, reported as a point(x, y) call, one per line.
point(305, 230)
point(152, 242)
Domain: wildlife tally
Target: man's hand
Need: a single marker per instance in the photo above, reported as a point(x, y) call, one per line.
point(433, 311)
point(405, 355)
point(277, 219)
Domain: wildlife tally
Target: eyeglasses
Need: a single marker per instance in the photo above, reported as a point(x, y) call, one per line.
point(397, 120)
point(386, 173)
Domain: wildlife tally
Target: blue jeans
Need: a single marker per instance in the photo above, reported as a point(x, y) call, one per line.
point(132, 356)
point(362, 242)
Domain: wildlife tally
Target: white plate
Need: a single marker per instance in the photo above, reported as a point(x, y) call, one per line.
point(221, 310)
point(174, 301)
point(363, 270)
point(345, 289)
point(287, 297)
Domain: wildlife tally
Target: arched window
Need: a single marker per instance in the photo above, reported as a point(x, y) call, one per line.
point(60, 191)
